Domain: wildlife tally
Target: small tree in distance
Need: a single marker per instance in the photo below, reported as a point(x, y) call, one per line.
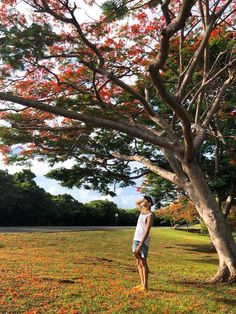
point(140, 84)
point(180, 211)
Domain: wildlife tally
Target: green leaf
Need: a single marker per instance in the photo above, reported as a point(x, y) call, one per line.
point(115, 9)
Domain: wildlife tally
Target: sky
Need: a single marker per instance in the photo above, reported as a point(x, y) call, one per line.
point(125, 196)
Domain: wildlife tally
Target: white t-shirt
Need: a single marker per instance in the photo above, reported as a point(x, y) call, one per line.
point(141, 228)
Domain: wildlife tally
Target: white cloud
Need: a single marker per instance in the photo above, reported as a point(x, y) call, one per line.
point(84, 13)
point(39, 168)
point(88, 13)
point(125, 196)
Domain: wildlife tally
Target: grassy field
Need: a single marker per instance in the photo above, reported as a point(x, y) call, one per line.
point(94, 272)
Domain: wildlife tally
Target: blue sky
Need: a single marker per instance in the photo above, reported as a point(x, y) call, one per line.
point(125, 196)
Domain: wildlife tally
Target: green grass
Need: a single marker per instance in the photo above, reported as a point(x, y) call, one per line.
point(94, 272)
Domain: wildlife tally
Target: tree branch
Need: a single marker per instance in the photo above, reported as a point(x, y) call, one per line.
point(154, 68)
point(217, 101)
point(153, 115)
point(194, 61)
point(175, 166)
point(45, 8)
point(170, 30)
point(121, 126)
point(170, 176)
point(201, 130)
point(208, 81)
point(181, 113)
point(100, 69)
point(51, 129)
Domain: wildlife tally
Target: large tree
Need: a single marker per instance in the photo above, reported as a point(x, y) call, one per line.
point(140, 84)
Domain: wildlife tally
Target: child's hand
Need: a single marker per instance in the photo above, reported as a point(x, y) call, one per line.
point(138, 204)
point(138, 248)
point(139, 201)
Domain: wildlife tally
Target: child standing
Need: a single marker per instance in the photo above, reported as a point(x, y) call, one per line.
point(142, 239)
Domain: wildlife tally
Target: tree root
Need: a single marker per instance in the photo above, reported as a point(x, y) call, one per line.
point(224, 276)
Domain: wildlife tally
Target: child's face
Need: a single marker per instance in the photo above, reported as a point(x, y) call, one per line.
point(145, 203)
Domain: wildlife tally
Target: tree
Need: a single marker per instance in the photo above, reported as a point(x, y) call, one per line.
point(70, 211)
point(103, 212)
point(25, 176)
point(22, 202)
point(180, 211)
point(33, 205)
point(8, 197)
point(140, 89)
point(217, 156)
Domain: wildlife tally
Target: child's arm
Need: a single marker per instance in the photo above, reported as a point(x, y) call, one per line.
point(138, 203)
point(150, 219)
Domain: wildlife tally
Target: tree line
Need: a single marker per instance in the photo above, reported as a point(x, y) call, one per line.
point(24, 203)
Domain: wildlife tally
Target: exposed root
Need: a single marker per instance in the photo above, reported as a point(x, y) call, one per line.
point(232, 277)
point(224, 276)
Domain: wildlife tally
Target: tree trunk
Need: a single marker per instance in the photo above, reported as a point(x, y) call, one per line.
point(219, 230)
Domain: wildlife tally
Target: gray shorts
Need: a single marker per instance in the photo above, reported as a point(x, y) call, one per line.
point(144, 249)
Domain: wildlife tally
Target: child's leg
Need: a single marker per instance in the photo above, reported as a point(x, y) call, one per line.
point(140, 268)
point(145, 272)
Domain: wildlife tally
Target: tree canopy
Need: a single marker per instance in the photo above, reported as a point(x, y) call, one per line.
point(95, 76)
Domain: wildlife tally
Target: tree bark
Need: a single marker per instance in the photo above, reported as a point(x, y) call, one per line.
point(219, 229)
point(229, 200)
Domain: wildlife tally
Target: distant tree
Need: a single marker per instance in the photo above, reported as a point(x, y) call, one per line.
point(8, 198)
point(127, 217)
point(34, 206)
point(70, 211)
point(103, 211)
point(180, 211)
point(25, 176)
point(22, 202)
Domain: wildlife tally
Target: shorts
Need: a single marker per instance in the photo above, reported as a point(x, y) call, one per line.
point(144, 249)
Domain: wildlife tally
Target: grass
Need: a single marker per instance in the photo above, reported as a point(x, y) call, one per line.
point(93, 272)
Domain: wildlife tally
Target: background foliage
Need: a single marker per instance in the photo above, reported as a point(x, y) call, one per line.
point(24, 203)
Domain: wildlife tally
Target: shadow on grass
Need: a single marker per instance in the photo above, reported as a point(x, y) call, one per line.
point(207, 259)
point(57, 280)
point(203, 248)
point(108, 263)
point(188, 285)
point(226, 301)
point(206, 288)
point(207, 284)
point(197, 283)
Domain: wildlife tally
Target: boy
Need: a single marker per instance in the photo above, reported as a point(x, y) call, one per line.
point(142, 239)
